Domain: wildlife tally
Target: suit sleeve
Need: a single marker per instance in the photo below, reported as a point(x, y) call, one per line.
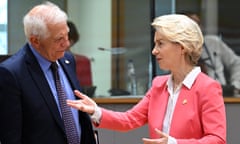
point(125, 121)
point(10, 109)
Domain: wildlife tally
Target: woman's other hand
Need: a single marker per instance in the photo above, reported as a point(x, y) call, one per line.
point(162, 140)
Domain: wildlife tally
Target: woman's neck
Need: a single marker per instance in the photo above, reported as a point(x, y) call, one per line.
point(180, 75)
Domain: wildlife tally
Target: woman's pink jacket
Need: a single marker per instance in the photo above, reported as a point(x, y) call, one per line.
point(199, 116)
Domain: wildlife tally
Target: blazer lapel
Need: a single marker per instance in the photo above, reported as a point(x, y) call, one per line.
point(67, 67)
point(44, 89)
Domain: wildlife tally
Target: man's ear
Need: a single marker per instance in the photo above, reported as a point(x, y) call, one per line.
point(34, 40)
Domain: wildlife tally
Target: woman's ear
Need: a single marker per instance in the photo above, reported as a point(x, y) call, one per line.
point(183, 50)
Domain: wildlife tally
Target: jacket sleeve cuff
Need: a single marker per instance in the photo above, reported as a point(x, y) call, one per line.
point(96, 116)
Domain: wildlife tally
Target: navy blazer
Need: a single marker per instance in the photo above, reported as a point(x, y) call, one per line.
point(28, 111)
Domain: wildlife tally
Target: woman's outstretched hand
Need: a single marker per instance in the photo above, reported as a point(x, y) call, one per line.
point(84, 104)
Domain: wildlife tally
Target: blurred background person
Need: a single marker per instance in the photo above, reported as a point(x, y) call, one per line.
point(183, 107)
point(83, 63)
point(219, 61)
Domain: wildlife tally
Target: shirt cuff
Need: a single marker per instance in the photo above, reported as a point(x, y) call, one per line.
point(96, 116)
point(171, 140)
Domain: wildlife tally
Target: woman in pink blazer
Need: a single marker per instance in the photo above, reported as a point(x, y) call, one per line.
point(184, 107)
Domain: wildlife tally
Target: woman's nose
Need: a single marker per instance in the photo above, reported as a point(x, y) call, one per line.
point(154, 51)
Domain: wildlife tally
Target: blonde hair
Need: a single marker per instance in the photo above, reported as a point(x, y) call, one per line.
point(183, 30)
point(36, 21)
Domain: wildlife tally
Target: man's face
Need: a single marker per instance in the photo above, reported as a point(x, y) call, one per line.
point(54, 46)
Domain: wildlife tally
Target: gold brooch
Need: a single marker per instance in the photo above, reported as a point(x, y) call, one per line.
point(184, 101)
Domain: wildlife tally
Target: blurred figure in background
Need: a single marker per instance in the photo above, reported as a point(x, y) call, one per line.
point(219, 61)
point(83, 64)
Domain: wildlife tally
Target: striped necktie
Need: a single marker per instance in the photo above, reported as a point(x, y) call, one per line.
point(67, 116)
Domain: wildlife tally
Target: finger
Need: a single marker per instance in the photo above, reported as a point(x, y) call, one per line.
point(160, 133)
point(73, 103)
point(147, 140)
point(77, 105)
point(154, 141)
point(151, 141)
point(79, 94)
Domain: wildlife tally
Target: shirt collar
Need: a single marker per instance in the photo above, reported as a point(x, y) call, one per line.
point(44, 63)
point(189, 79)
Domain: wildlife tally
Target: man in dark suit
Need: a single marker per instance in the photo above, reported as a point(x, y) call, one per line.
point(29, 105)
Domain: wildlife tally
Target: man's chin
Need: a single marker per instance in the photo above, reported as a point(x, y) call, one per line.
point(60, 55)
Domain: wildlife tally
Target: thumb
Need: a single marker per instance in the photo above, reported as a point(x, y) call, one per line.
point(160, 133)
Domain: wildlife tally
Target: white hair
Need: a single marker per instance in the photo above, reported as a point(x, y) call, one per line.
point(183, 30)
point(36, 21)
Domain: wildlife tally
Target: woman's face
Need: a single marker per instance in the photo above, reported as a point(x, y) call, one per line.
point(168, 54)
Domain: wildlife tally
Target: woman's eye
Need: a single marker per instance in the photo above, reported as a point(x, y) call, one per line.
point(159, 43)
